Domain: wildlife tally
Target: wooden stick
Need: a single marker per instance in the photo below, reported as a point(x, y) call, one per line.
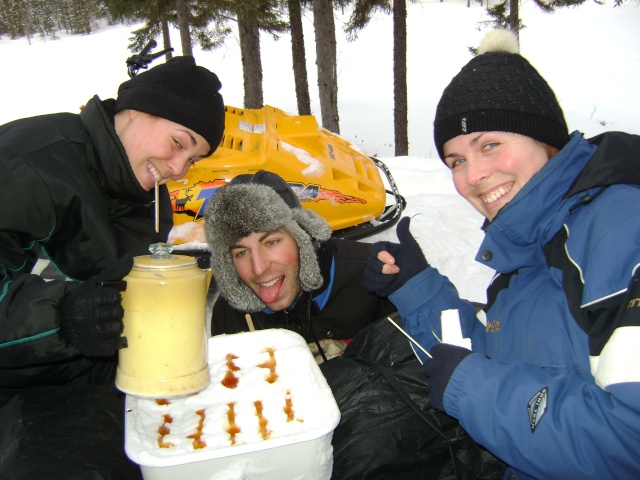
point(407, 335)
point(247, 317)
point(157, 202)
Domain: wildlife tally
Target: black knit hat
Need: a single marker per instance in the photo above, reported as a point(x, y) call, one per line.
point(179, 91)
point(260, 202)
point(499, 90)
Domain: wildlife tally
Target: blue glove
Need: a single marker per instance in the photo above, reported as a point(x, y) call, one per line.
point(408, 257)
point(91, 314)
point(439, 368)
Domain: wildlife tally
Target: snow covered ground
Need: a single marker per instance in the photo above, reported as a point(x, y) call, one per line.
point(588, 54)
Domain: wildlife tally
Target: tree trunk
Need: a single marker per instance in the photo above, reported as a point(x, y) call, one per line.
point(299, 58)
point(325, 30)
point(400, 111)
point(183, 25)
point(249, 34)
point(514, 17)
point(166, 39)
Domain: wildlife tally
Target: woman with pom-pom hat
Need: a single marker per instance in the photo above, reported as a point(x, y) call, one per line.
point(552, 380)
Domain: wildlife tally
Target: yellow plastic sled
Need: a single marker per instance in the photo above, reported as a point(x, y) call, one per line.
point(330, 176)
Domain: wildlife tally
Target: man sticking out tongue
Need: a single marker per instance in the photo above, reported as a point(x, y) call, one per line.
point(277, 266)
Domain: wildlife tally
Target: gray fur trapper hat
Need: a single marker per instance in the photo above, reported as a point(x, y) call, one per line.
point(260, 202)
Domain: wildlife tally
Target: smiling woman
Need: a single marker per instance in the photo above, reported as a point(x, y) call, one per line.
point(79, 186)
point(158, 149)
point(168, 118)
point(490, 168)
point(556, 351)
point(179, 91)
point(493, 134)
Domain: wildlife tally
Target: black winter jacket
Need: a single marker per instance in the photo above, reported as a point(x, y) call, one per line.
point(69, 195)
point(349, 308)
point(388, 430)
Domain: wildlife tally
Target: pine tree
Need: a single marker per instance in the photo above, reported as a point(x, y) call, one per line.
point(15, 14)
point(298, 54)
point(326, 60)
point(360, 17)
point(506, 14)
point(44, 12)
point(400, 94)
point(253, 17)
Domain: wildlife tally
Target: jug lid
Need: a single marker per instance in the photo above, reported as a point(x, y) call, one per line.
point(161, 257)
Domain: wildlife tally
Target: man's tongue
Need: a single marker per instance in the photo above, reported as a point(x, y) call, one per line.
point(270, 293)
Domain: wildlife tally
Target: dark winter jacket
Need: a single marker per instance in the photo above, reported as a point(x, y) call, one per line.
point(339, 309)
point(68, 195)
point(387, 428)
point(553, 389)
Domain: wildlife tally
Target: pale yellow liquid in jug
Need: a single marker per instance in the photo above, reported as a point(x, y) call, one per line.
point(164, 323)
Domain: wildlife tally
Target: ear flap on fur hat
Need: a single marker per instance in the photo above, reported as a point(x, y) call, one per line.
point(244, 207)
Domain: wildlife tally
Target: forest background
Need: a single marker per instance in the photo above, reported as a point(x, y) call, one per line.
point(207, 25)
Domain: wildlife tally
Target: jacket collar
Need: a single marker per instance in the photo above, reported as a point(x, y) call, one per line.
point(614, 162)
point(515, 236)
point(113, 168)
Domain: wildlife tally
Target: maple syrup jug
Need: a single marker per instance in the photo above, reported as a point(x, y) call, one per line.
point(164, 323)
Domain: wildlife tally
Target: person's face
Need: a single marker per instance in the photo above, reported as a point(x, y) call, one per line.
point(268, 263)
point(490, 168)
point(158, 149)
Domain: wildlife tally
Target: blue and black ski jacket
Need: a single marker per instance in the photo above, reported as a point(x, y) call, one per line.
point(553, 385)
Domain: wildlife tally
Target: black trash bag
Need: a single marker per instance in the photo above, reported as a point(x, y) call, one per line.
point(387, 429)
point(67, 432)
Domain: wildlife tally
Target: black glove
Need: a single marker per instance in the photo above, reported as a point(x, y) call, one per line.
point(91, 315)
point(439, 368)
point(408, 257)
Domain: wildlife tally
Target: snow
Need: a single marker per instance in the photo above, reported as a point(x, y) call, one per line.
point(588, 54)
point(266, 392)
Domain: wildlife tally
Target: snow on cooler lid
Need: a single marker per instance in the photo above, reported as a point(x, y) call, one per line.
point(266, 391)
